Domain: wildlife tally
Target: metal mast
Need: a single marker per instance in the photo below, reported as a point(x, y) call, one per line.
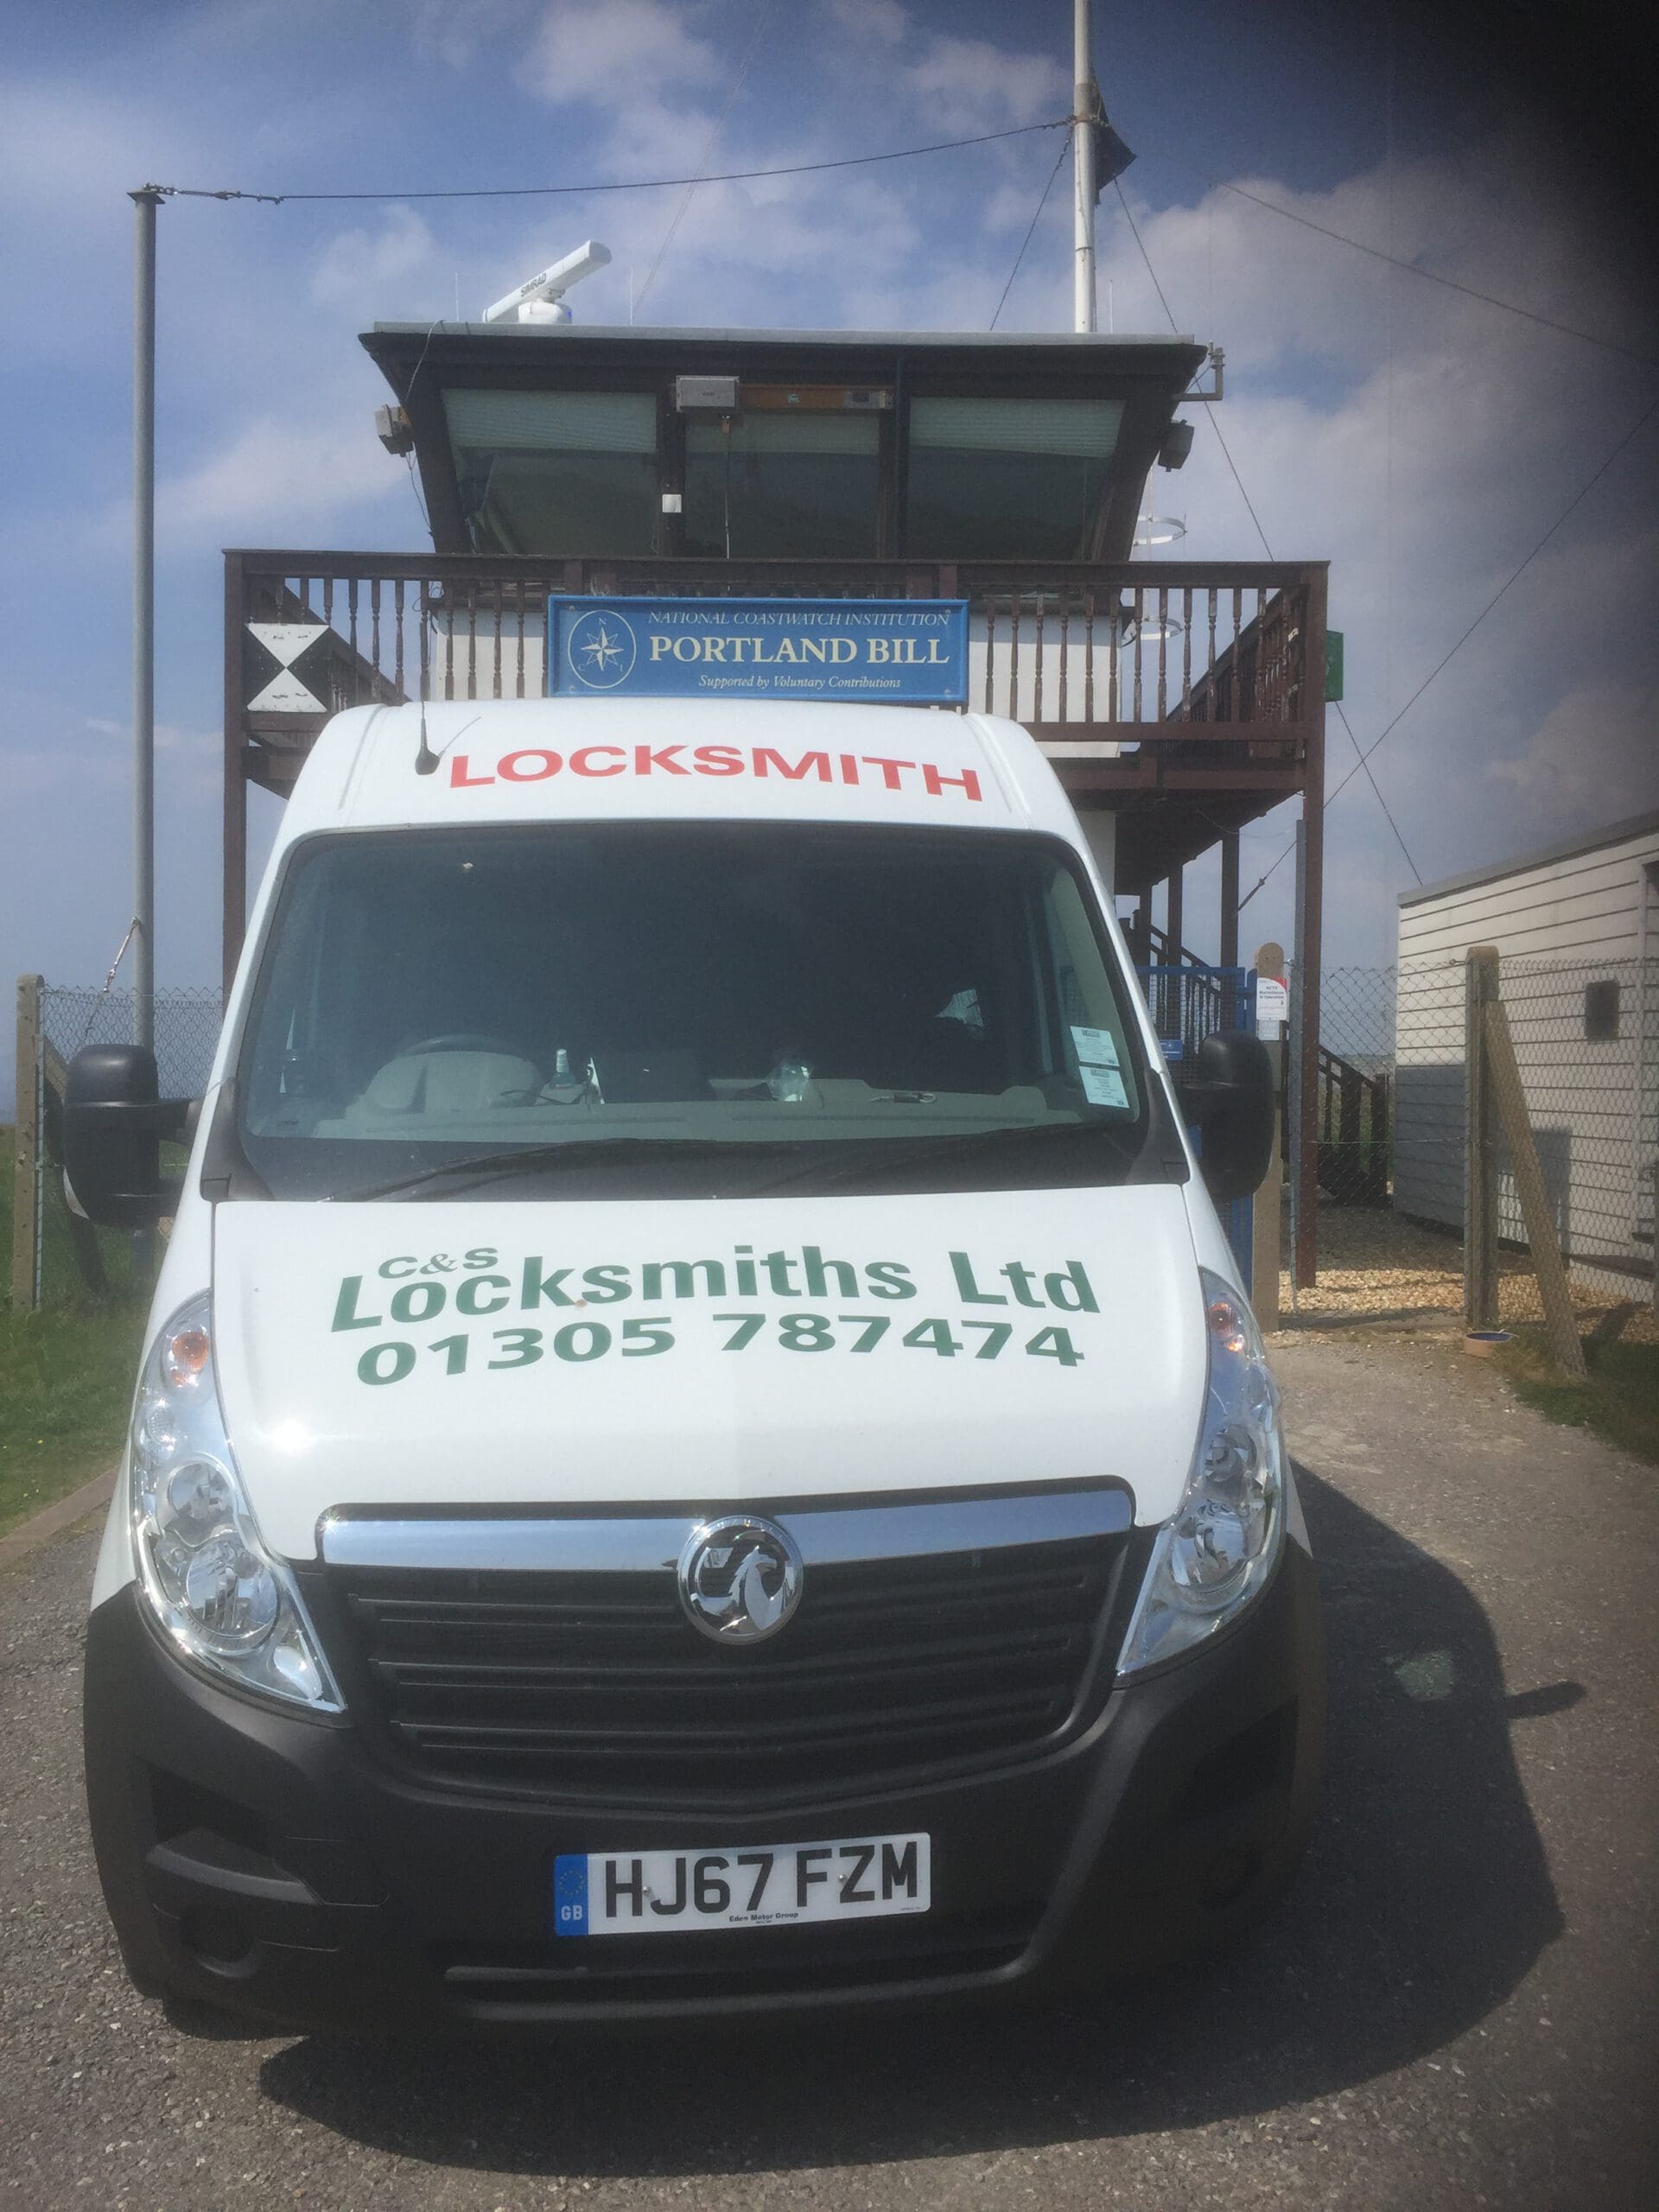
point(145, 203)
point(1085, 106)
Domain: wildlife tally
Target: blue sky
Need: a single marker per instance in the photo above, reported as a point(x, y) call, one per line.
point(1419, 439)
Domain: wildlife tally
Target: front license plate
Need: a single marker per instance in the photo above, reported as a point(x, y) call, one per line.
point(662, 1892)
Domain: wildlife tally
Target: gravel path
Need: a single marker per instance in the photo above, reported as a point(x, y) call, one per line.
point(1456, 2006)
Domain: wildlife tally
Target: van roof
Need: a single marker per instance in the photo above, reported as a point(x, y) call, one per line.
point(691, 760)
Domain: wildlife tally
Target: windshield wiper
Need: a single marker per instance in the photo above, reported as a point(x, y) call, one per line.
point(484, 1166)
point(876, 1154)
point(871, 1155)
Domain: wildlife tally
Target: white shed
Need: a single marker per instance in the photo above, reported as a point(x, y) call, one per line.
point(1577, 932)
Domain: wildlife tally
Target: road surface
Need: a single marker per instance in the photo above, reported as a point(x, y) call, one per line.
point(1456, 2006)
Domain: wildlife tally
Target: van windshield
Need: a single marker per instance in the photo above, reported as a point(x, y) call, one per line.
point(719, 1009)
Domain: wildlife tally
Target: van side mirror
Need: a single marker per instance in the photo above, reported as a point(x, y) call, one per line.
point(113, 1125)
point(1227, 1087)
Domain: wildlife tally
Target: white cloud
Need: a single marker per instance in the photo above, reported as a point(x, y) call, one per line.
point(1594, 758)
point(1485, 217)
point(617, 53)
point(359, 262)
point(739, 246)
point(277, 479)
point(1423, 442)
point(454, 30)
point(96, 752)
point(884, 22)
point(967, 84)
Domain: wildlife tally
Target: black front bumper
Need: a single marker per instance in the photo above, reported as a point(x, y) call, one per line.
point(272, 1865)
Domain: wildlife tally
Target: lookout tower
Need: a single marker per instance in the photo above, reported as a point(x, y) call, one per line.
point(1179, 700)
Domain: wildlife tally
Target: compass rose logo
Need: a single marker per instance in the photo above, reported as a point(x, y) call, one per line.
point(600, 649)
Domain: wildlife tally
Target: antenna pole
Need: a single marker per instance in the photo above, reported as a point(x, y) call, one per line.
point(145, 202)
point(1085, 105)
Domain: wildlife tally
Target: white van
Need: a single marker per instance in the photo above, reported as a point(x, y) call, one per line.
point(700, 1447)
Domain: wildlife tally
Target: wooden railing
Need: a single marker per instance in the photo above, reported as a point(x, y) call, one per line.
point(1099, 657)
point(1354, 1149)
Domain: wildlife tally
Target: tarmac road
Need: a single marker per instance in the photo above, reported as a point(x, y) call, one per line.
point(1456, 2006)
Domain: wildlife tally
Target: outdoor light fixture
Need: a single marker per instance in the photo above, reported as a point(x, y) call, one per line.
point(706, 394)
point(1178, 443)
point(392, 427)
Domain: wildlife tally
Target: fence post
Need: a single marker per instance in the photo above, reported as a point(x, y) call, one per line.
point(29, 1137)
point(1504, 1082)
point(1480, 1129)
point(1268, 1204)
point(1297, 1125)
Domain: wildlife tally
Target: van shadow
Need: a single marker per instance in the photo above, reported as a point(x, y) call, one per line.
point(1424, 1898)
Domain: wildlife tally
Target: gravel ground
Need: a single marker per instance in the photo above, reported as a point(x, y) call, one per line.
point(1455, 2005)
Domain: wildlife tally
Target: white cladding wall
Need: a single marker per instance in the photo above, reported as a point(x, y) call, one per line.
point(1558, 925)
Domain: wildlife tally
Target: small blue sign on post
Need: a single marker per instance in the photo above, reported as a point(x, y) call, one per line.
point(897, 651)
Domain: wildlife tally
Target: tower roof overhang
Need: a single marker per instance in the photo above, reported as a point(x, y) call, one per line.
point(1146, 378)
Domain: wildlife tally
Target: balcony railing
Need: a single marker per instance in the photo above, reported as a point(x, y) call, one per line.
point(1172, 660)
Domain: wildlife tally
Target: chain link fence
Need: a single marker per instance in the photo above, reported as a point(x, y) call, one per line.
point(1392, 1134)
point(1586, 1044)
point(187, 1029)
point(1391, 1123)
point(55, 1255)
point(1389, 1116)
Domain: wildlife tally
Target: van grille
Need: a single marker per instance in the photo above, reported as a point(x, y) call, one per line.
point(595, 1684)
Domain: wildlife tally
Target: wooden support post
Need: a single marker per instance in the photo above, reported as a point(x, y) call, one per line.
point(1170, 1009)
point(1480, 1176)
point(1350, 1099)
point(1139, 932)
point(1230, 900)
point(1268, 1204)
point(1376, 1157)
point(26, 1160)
point(1310, 948)
point(1504, 1078)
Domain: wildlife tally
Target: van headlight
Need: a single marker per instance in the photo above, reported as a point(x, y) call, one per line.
point(1216, 1552)
point(202, 1565)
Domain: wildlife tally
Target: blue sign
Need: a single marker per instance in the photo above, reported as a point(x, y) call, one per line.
point(898, 652)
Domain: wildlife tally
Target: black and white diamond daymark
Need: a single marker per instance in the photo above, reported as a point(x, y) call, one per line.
point(286, 659)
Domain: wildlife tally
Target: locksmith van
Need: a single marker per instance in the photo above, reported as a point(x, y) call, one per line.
point(700, 1447)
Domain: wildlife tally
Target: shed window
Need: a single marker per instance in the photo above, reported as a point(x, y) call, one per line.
point(1004, 480)
point(766, 486)
point(1601, 1011)
point(566, 473)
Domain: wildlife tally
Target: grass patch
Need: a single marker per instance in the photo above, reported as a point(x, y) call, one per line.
point(67, 1372)
point(66, 1385)
point(61, 1273)
point(1620, 1402)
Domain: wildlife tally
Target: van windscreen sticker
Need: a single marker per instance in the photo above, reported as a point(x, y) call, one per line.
point(536, 764)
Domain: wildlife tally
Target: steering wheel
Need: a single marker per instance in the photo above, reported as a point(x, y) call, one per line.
point(464, 1040)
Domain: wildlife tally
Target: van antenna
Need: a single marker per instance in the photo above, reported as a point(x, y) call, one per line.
point(426, 760)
